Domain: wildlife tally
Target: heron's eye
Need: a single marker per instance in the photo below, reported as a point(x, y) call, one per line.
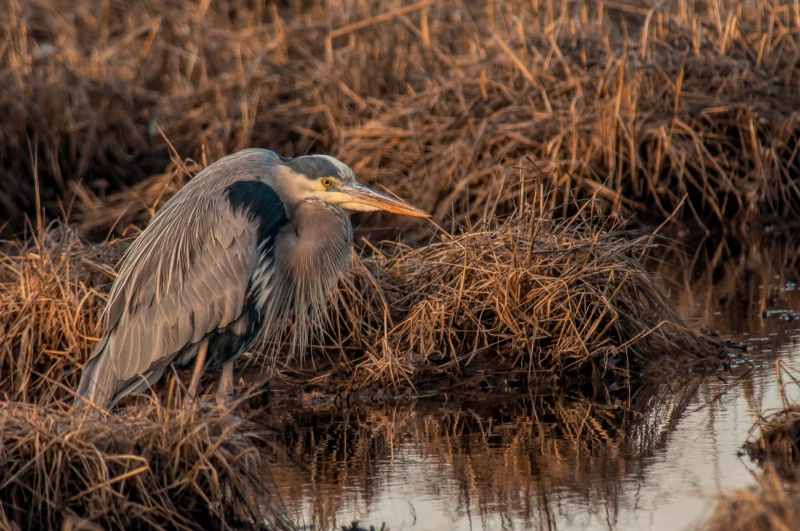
point(327, 183)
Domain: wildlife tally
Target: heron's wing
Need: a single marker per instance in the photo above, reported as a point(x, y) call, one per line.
point(184, 277)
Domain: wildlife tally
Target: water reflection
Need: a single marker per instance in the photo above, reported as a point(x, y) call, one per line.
point(740, 290)
point(654, 457)
point(513, 461)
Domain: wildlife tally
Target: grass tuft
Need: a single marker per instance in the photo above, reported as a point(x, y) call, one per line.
point(149, 467)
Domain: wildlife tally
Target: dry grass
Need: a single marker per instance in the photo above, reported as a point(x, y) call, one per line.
point(525, 299)
point(644, 104)
point(778, 441)
point(129, 209)
point(772, 505)
point(634, 109)
point(152, 467)
point(52, 293)
point(148, 467)
point(775, 502)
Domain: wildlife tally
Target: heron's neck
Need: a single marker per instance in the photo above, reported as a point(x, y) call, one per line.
point(311, 252)
point(323, 231)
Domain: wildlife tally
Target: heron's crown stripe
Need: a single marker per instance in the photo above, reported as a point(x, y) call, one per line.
point(314, 167)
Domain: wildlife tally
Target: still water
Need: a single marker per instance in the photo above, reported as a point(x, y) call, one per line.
point(658, 461)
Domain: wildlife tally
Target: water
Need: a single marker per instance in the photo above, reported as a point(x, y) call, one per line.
point(517, 463)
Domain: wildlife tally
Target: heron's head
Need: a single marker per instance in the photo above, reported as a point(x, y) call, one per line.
point(329, 179)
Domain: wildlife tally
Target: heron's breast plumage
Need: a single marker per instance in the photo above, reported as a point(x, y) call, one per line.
point(297, 273)
point(300, 256)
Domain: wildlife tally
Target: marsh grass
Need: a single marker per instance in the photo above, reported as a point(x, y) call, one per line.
point(147, 467)
point(773, 502)
point(778, 440)
point(126, 211)
point(691, 100)
point(771, 505)
point(151, 465)
point(527, 298)
point(688, 105)
point(52, 293)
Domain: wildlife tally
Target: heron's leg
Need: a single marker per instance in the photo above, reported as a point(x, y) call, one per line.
point(225, 389)
point(199, 361)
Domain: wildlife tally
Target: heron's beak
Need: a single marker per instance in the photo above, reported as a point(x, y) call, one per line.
point(361, 197)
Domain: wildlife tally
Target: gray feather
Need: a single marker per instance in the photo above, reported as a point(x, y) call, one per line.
point(244, 249)
point(174, 268)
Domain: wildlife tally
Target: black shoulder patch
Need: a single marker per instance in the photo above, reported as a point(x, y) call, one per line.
point(313, 167)
point(262, 204)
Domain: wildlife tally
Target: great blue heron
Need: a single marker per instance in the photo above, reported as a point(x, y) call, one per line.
point(250, 241)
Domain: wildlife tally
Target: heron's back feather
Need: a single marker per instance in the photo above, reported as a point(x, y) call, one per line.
point(231, 258)
point(184, 277)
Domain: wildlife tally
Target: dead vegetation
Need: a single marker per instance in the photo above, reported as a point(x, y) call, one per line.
point(529, 297)
point(778, 441)
point(149, 466)
point(152, 467)
point(648, 105)
point(52, 294)
point(774, 503)
point(635, 109)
